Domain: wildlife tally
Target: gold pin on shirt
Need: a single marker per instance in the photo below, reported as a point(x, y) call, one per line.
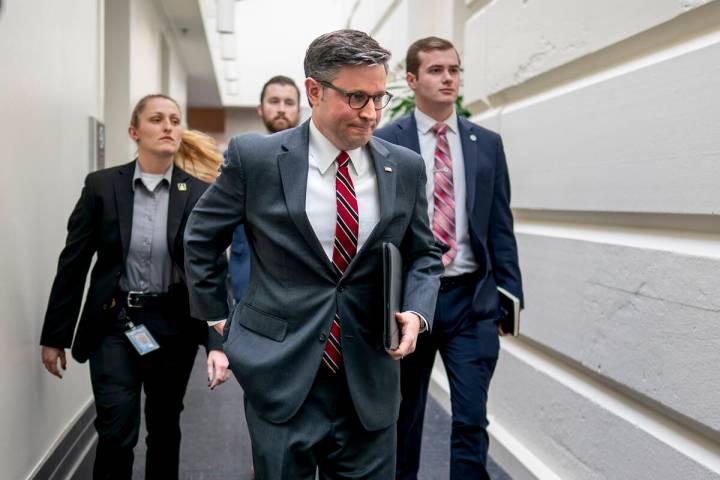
point(182, 187)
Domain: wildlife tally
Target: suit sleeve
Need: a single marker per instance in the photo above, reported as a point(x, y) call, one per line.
point(501, 238)
point(208, 234)
point(69, 284)
point(422, 258)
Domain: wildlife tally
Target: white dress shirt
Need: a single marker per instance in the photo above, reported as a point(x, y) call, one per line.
point(464, 261)
point(320, 200)
point(320, 196)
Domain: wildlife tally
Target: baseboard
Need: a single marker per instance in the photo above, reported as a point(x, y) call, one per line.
point(514, 457)
point(509, 453)
point(72, 456)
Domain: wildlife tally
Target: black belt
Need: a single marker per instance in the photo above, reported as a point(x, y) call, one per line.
point(134, 299)
point(446, 283)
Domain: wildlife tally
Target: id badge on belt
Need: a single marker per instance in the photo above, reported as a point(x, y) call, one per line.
point(141, 338)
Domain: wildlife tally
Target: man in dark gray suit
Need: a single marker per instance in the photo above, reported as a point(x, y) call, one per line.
point(317, 202)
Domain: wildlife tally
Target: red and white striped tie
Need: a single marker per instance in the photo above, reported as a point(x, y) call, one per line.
point(346, 238)
point(444, 194)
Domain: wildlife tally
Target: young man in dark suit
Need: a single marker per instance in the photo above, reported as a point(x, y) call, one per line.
point(469, 206)
point(317, 202)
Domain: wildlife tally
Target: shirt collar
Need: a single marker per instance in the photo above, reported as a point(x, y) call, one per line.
point(426, 122)
point(137, 175)
point(325, 152)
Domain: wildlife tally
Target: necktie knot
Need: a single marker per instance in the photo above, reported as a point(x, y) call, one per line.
point(343, 159)
point(439, 129)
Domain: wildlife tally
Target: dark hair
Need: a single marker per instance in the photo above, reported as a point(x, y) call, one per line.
point(331, 51)
point(279, 80)
point(412, 59)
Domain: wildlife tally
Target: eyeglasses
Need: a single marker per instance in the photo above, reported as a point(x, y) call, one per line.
point(358, 100)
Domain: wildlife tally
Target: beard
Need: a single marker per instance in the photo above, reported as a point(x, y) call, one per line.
point(278, 123)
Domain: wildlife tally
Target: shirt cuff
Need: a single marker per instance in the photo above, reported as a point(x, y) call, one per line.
point(212, 323)
point(423, 322)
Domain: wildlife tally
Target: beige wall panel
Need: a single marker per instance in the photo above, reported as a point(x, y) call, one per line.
point(178, 82)
point(145, 50)
point(511, 41)
point(50, 55)
point(429, 17)
point(581, 433)
point(602, 148)
point(392, 34)
point(646, 319)
point(367, 14)
point(119, 147)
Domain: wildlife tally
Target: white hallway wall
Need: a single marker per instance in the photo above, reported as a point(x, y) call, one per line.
point(608, 111)
point(136, 30)
point(52, 56)
point(609, 114)
point(50, 85)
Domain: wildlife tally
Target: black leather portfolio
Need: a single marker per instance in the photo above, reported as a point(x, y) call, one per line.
point(509, 312)
point(392, 293)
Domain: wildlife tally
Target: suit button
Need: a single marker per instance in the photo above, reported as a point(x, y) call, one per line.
point(322, 337)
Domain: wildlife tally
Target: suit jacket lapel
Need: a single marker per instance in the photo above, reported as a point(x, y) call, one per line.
point(469, 148)
point(387, 186)
point(176, 206)
point(293, 166)
point(407, 133)
point(124, 197)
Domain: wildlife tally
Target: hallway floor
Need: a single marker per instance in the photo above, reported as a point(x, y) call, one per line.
point(216, 445)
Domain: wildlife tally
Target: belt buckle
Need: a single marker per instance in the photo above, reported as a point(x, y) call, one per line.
point(134, 299)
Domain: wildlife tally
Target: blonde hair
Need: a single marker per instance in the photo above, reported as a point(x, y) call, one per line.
point(198, 153)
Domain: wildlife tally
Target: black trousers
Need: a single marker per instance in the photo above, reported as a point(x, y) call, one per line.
point(469, 348)
point(325, 438)
point(118, 373)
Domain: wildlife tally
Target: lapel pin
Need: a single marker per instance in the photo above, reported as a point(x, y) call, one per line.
point(473, 137)
point(182, 187)
point(388, 169)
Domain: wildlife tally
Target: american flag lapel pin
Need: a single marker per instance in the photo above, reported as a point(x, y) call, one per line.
point(388, 169)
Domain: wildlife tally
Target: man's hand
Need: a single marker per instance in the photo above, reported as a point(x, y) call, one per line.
point(409, 328)
point(50, 357)
point(219, 327)
point(217, 364)
point(501, 332)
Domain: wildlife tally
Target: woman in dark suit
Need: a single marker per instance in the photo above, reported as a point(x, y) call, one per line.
point(135, 326)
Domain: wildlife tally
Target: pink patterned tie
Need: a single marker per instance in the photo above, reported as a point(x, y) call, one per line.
point(444, 195)
point(346, 234)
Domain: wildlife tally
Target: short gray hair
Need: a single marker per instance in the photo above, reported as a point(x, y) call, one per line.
point(332, 51)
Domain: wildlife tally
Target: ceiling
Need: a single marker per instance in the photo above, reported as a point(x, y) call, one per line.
point(269, 38)
point(188, 32)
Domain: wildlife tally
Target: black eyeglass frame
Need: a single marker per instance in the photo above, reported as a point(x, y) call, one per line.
point(349, 95)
